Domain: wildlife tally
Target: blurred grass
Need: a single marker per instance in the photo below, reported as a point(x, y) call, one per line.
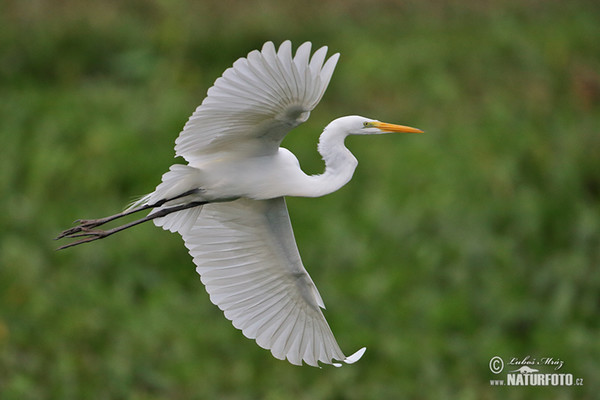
point(480, 238)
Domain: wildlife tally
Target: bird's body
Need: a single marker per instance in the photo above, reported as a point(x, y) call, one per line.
point(266, 176)
point(228, 201)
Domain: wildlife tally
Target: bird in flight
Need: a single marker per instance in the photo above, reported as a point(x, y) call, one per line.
point(228, 202)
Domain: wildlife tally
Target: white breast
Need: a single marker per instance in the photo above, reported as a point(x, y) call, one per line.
point(259, 178)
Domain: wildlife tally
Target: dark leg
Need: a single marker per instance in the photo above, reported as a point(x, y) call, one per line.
point(85, 226)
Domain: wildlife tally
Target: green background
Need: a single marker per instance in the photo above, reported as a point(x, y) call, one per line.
point(479, 238)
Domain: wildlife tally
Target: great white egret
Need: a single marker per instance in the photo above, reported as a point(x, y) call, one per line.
point(228, 201)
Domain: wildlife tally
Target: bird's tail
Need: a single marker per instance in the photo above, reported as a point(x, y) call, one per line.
point(180, 185)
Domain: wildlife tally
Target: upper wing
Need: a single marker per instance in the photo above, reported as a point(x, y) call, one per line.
point(256, 102)
point(247, 258)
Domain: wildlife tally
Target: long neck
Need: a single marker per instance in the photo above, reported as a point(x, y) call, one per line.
point(339, 162)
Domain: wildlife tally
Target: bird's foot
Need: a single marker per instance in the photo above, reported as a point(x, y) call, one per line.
point(83, 225)
point(84, 231)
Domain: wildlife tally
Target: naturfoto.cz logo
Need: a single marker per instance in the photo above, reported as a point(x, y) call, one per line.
point(529, 371)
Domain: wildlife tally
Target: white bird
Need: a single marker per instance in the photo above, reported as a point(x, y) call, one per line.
point(228, 201)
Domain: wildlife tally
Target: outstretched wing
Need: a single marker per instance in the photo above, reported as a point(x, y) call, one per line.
point(256, 102)
point(247, 258)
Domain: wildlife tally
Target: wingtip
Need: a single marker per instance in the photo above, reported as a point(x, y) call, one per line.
point(355, 357)
point(351, 359)
point(268, 47)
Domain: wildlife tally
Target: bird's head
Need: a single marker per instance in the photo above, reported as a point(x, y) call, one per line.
point(355, 125)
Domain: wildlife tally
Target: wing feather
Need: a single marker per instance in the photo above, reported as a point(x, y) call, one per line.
point(258, 319)
point(272, 64)
point(327, 72)
point(256, 102)
point(302, 57)
point(247, 258)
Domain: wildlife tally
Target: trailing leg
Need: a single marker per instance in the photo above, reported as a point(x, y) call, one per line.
point(85, 227)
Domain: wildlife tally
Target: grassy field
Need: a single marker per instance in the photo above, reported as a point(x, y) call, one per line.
point(480, 238)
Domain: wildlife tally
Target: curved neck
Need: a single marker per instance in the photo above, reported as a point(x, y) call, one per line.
point(339, 163)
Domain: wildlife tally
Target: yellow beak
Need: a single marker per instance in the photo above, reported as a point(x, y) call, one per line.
point(395, 128)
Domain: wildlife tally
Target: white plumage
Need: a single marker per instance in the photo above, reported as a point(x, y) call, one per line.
point(228, 202)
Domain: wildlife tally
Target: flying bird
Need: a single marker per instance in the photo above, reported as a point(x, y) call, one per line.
point(228, 203)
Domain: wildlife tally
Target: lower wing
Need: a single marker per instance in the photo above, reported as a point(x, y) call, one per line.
point(246, 255)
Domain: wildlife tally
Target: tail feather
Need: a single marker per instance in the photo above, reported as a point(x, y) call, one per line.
point(179, 179)
point(175, 182)
point(142, 201)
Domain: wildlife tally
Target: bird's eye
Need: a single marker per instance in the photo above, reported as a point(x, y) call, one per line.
point(366, 124)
